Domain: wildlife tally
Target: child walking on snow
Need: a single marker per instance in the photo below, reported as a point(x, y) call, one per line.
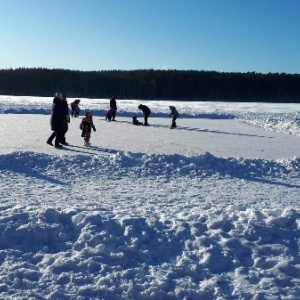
point(86, 127)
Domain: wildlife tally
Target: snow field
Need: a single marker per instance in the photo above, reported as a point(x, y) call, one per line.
point(157, 223)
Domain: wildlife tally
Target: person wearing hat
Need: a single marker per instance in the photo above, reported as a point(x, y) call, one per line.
point(86, 126)
point(146, 110)
point(57, 121)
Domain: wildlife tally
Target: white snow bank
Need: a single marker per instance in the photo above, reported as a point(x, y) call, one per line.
point(148, 247)
point(236, 253)
point(138, 165)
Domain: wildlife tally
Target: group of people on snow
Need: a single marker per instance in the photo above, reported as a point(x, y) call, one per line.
point(60, 119)
point(146, 111)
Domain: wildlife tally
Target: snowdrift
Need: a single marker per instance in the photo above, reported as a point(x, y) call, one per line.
point(94, 250)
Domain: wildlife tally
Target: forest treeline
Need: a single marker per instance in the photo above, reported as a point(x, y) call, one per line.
point(153, 84)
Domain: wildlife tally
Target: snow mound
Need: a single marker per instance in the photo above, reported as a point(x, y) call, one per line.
point(134, 240)
point(93, 254)
point(139, 164)
point(279, 122)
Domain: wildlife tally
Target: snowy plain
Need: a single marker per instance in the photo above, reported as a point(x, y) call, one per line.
point(209, 210)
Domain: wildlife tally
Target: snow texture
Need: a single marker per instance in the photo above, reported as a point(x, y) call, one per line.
point(209, 210)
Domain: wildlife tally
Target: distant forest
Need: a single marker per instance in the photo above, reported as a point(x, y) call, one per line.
point(153, 84)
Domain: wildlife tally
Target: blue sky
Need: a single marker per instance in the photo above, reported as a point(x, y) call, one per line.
point(221, 35)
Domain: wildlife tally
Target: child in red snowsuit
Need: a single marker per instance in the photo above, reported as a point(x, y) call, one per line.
point(86, 126)
point(109, 115)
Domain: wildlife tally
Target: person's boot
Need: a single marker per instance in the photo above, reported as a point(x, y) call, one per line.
point(51, 138)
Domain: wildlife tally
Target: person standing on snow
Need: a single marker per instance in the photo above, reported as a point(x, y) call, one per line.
point(57, 120)
point(66, 120)
point(146, 110)
point(113, 107)
point(175, 115)
point(86, 127)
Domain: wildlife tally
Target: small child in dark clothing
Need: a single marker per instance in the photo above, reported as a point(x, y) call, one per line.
point(113, 107)
point(109, 115)
point(135, 121)
point(86, 127)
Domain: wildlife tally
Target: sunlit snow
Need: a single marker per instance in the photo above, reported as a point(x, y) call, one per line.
point(209, 210)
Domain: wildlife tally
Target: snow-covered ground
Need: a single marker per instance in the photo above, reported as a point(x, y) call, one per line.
point(207, 211)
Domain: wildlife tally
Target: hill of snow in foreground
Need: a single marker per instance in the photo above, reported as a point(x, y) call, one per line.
point(151, 213)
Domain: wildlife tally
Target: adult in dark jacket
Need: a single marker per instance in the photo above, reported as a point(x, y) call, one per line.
point(113, 107)
point(146, 110)
point(57, 120)
point(66, 120)
point(174, 113)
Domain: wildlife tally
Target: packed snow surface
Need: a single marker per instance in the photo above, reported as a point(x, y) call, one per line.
point(209, 210)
